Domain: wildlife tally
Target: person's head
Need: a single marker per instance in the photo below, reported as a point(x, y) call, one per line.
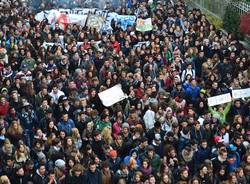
point(42, 169)
point(150, 151)
point(4, 180)
point(152, 179)
point(232, 178)
point(223, 153)
point(145, 163)
point(77, 169)
point(195, 180)
point(97, 135)
point(10, 161)
point(137, 176)
point(240, 172)
point(204, 143)
point(19, 171)
point(92, 166)
point(203, 169)
point(184, 173)
point(51, 175)
point(65, 117)
point(113, 154)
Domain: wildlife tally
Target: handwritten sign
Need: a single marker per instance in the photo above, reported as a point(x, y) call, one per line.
point(241, 93)
point(144, 24)
point(220, 99)
point(112, 95)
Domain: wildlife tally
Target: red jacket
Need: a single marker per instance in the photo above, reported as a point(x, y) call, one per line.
point(4, 109)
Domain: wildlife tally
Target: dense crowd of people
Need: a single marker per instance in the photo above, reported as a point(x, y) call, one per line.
point(55, 130)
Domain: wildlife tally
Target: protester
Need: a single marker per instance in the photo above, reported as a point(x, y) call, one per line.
point(54, 128)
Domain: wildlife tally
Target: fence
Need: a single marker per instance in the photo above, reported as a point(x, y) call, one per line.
point(218, 7)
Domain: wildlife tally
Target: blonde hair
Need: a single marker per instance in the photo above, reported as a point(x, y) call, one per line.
point(4, 180)
point(75, 133)
point(11, 129)
point(107, 135)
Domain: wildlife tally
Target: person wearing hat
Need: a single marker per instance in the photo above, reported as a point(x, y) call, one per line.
point(24, 73)
point(158, 145)
point(114, 160)
point(222, 111)
point(233, 158)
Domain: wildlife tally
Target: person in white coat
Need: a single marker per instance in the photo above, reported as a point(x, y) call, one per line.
point(149, 118)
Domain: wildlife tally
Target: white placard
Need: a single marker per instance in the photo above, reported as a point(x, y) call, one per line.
point(220, 99)
point(241, 93)
point(112, 95)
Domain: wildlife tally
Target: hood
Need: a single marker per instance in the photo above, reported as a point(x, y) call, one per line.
point(187, 158)
point(133, 150)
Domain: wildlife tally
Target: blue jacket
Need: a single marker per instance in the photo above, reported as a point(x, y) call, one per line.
point(93, 178)
point(192, 92)
point(234, 161)
point(66, 126)
point(127, 158)
point(201, 155)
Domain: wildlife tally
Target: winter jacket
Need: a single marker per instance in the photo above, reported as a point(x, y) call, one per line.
point(38, 179)
point(155, 161)
point(127, 158)
point(223, 114)
point(234, 161)
point(201, 155)
point(149, 119)
point(93, 178)
point(102, 124)
point(66, 126)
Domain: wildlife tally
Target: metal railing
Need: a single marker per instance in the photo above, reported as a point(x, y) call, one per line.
point(218, 7)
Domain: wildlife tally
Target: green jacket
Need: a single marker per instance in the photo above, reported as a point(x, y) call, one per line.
point(100, 125)
point(155, 161)
point(223, 114)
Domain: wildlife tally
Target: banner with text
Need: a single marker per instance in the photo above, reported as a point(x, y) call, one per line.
point(241, 93)
point(220, 99)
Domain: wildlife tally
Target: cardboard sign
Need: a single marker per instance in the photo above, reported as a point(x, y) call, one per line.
point(112, 95)
point(220, 99)
point(241, 93)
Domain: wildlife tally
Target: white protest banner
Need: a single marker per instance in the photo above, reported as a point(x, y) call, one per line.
point(47, 44)
point(112, 95)
point(139, 44)
point(40, 16)
point(220, 99)
point(64, 17)
point(241, 93)
point(144, 24)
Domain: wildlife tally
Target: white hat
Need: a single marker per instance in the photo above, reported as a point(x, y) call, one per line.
point(60, 163)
